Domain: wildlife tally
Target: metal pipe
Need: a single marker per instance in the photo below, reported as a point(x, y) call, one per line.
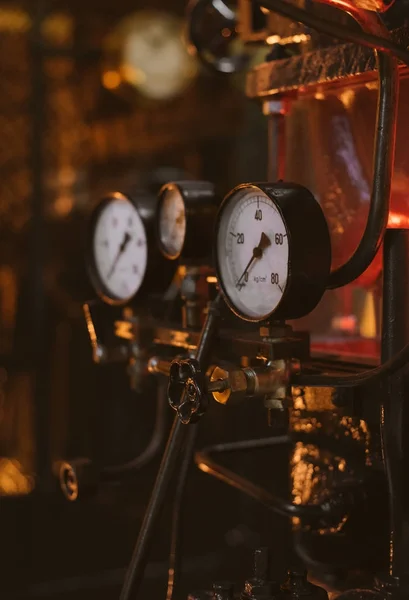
point(384, 150)
point(395, 336)
point(276, 503)
point(335, 29)
point(135, 571)
point(175, 555)
point(154, 444)
point(276, 143)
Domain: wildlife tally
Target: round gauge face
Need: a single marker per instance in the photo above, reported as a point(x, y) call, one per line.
point(147, 51)
point(172, 222)
point(119, 250)
point(252, 253)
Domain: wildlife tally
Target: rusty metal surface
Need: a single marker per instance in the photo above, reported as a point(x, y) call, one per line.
point(321, 68)
point(322, 432)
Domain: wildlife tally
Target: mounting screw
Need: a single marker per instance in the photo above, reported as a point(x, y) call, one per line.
point(77, 478)
point(68, 482)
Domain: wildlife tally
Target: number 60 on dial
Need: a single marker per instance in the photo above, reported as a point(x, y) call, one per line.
point(273, 252)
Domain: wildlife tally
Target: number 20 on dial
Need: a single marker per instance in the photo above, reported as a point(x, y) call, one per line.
point(272, 251)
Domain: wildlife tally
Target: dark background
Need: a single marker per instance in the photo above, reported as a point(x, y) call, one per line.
point(64, 140)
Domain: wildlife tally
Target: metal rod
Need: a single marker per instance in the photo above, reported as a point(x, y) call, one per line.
point(175, 555)
point(395, 336)
point(276, 146)
point(135, 571)
point(276, 503)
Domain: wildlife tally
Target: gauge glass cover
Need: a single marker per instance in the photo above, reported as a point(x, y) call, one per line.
point(172, 222)
point(120, 250)
point(252, 253)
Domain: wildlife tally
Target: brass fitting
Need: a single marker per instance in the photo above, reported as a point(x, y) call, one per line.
point(270, 381)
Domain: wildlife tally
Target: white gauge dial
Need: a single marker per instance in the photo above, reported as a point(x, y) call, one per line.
point(120, 250)
point(157, 61)
point(252, 253)
point(172, 222)
point(147, 51)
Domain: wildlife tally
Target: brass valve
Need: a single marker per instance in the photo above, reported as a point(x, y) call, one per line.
point(189, 387)
point(271, 380)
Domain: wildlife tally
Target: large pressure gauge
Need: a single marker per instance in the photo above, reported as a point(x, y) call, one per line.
point(273, 252)
point(185, 220)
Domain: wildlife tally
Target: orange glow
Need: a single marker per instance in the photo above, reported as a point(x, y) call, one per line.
point(398, 221)
point(13, 481)
point(63, 205)
point(14, 20)
point(133, 75)
point(203, 467)
point(273, 39)
point(111, 80)
point(292, 39)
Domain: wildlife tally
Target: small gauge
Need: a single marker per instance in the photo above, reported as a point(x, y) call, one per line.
point(273, 252)
point(118, 249)
point(185, 219)
point(172, 222)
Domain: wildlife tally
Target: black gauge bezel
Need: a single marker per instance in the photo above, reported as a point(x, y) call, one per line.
point(296, 206)
point(201, 204)
point(94, 275)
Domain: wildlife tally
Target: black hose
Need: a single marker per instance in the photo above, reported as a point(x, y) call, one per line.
point(155, 443)
point(334, 29)
point(276, 503)
point(396, 363)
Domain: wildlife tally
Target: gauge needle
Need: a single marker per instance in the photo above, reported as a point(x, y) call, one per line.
point(257, 253)
point(122, 247)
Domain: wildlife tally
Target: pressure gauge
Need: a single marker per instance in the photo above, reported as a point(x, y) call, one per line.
point(118, 254)
point(146, 52)
point(185, 220)
point(273, 252)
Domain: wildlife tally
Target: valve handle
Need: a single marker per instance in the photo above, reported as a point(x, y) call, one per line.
point(187, 392)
